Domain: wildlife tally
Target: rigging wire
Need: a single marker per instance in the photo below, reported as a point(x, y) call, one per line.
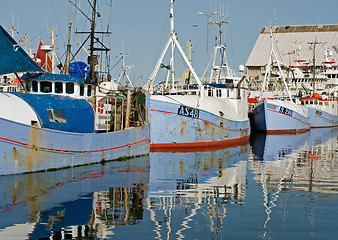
point(78, 15)
point(57, 22)
point(116, 64)
point(108, 29)
point(160, 43)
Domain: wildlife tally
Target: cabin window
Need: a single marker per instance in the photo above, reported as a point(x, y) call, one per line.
point(28, 86)
point(34, 86)
point(316, 102)
point(320, 103)
point(210, 92)
point(219, 92)
point(326, 104)
point(45, 87)
point(69, 88)
point(58, 87)
point(56, 115)
point(81, 89)
point(311, 101)
point(89, 90)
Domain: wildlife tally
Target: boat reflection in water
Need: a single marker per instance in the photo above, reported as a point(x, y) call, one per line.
point(161, 195)
point(190, 187)
point(296, 173)
point(275, 147)
point(77, 202)
point(284, 186)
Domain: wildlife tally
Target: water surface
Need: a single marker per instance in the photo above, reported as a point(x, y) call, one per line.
point(278, 187)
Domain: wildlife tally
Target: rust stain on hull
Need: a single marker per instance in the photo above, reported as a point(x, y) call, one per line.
point(15, 154)
point(183, 127)
point(33, 156)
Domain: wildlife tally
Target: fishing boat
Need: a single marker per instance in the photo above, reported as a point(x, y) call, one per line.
point(330, 70)
point(193, 115)
point(277, 112)
point(322, 110)
point(63, 121)
point(321, 103)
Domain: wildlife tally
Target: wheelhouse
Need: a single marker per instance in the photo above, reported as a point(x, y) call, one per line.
point(58, 84)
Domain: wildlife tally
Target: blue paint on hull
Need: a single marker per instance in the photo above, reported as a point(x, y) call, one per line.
point(29, 149)
point(269, 117)
point(167, 127)
point(320, 118)
point(25, 195)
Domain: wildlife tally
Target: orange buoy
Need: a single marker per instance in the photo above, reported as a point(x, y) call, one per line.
point(316, 95)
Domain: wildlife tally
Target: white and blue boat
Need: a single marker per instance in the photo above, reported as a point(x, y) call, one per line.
point(277, 112)
point(194, 116)
point(323, 110)
point(63, 121)
point(275, 116)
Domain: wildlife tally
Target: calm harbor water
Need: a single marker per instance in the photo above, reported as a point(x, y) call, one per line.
point(276, 187)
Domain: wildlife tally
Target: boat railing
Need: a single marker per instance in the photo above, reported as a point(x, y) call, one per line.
point(120, 109)
point(210, 90)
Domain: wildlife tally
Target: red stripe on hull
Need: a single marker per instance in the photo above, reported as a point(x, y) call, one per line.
point(203, 120)
point(332, 126)
point(287, 131)
point(198, 146)
point(72, 151)
point(288, 116)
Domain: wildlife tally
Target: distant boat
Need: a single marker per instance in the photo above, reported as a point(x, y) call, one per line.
point(330, 70)
point(202, 115)
point(64, 121)
point(321, 103)
point(42, 58)
point(276, 111)
point(322, 109)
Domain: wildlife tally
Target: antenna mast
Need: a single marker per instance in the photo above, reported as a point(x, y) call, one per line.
point(174, 43)
point(66, 69)
point(218, 69)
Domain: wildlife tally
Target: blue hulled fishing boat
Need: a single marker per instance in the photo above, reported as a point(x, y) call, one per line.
point(62, 121)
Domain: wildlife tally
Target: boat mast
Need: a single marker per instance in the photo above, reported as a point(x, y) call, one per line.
point(92, 37)
point(174, 43)
point(124, 71)
point(66, 69)
point(314, 62)
point(92, 59)
point(53, 51)
point(223, 59)
point(268, 69)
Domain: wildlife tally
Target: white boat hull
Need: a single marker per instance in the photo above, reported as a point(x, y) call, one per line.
point(280, 117)
point(321, 118)
point(29, 149)
point(176, 122)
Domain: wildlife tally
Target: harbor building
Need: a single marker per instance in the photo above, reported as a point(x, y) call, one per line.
point(300, 49)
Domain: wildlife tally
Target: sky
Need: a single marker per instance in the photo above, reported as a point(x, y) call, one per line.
point(140, 28)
